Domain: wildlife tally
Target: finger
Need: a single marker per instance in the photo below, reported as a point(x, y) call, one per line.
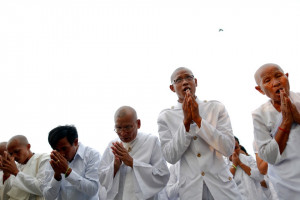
point(54, 157)
point(116, 151)
point(120, 147)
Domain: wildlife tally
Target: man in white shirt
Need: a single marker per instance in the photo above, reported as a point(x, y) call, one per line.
point(246, 174)
point(132, 167)
point(73, 169)
point(277, 130)
point(25, 179)
point(197, 133)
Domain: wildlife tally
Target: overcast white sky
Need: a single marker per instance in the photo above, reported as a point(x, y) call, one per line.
point(75, 62)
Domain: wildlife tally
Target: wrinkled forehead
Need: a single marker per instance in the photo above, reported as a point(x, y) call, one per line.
point(14, 145)
point(266, 70)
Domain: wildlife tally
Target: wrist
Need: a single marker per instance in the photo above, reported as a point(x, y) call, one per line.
point(57, 177)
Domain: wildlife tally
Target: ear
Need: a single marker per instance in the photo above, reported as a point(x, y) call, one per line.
point(28, 146)
point(172, 88)
point(260, 90)
point(75, 143)
point(138, 121)
point(196, 82)
point(287, 74)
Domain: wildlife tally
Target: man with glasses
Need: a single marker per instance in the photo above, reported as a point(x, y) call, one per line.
point(132, 166)
point(197, 133)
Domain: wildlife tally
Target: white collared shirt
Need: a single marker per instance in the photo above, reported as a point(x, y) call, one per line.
point(200, 150)
point(283, 168)
point(82, 182)
point(148, 176)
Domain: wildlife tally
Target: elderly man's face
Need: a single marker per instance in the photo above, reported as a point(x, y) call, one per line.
point(20, 152)
point(272, 80)
point(186, 82)
point(127, 127)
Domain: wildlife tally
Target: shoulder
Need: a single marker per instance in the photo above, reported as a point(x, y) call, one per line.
point(148, 136)
point(42, 156)
point(90, 152)
point(262, 108)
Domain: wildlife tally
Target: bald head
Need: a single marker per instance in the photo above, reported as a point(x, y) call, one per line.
point(3, 147)
point(124, 111)
point(21, 139)
point(179, 69)
point(258, 72)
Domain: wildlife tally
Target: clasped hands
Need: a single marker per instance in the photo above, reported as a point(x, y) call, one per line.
point(289, 111)
point(121, 155)
point(190, 111)
point(59, 164)
point(8, 165)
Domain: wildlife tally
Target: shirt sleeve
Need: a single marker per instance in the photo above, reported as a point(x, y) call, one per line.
point(50, 185)
point(153, 177)
point(31, 184)
point(172, 187)
point(218, 135)
point(173, 145)
point(106, 174)
point(89, 183)
point(255, 174)
point(268, 148)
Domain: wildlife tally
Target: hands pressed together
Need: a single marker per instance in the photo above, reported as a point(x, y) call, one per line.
point(59, 165)
point(8, 165)
point(190, 111)
point(289, 111)
point(121, 154)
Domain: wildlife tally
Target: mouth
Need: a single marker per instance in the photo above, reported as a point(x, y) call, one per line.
point(186, 89)
point(278, 91)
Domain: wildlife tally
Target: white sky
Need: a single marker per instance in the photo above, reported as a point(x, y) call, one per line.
point(76, 62)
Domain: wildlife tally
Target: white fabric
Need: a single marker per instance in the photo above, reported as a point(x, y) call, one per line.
point(26, 185)
point(249, 186)
point(283, 169)
point(172, 188)
point(82, 182)
point(200, 150)
point(270, 192)
point(150, 173)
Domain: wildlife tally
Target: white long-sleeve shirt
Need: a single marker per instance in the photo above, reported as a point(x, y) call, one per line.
point(145, 180)
point(249, 186)
point(283, 168)
point(172, 188)
point(26, 185)
point(200, 150)
point(82, 182)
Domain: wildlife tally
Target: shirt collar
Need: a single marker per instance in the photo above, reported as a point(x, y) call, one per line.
point(80, 151)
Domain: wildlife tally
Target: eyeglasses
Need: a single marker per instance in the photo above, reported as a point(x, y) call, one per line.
point(126, 129)
point(187, 78)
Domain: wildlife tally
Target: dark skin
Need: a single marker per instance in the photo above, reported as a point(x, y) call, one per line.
point(8, 165)
point(190, 111)
point(237, 162)
point(59, 165)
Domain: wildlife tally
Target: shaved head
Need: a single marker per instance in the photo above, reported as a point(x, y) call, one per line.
point(177, 70)
point(124, 111)
point(21, 139)
point(258, 72)
point(3, 147)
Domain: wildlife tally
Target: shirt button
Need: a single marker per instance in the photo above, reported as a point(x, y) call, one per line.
point(229, 178)
point(195, 138)
point(198, 155)
point(202, 173)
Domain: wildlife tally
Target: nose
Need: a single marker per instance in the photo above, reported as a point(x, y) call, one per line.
point(122, 133)
point(276, 82)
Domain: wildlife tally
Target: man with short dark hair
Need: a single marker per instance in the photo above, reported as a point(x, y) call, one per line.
point(277, 130)
point(132, 167)
point(73, 169)
point(25, 178)
point(197, 133)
